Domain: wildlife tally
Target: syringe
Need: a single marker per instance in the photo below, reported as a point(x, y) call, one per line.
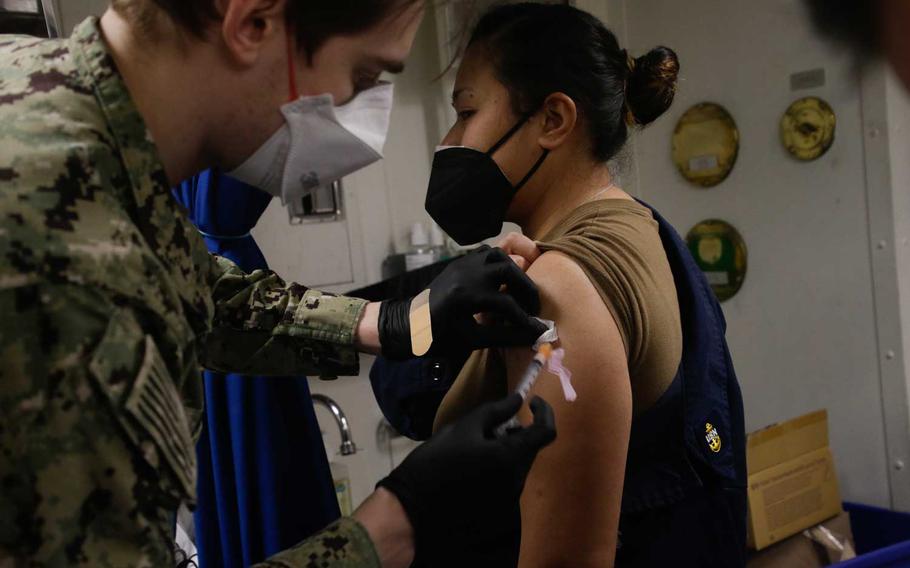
point(544, 352)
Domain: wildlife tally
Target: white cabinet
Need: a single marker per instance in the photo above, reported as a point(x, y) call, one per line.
point(318, 254)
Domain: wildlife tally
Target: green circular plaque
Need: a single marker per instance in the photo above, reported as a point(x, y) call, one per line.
point(720, 252)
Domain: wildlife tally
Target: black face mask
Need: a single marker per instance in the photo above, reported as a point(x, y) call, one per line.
point(468, 194)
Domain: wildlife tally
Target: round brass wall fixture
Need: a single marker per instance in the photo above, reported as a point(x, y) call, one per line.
point(705, 144)
point(807, 128)
point(720, 252)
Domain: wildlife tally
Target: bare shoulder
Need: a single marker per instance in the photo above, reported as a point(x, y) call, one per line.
point(563, 283)
point(555, 267)
point(586, 328)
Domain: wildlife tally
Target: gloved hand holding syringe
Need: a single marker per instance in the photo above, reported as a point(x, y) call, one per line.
point(549, 357)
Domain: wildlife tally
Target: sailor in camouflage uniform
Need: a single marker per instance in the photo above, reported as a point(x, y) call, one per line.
point(110, 307)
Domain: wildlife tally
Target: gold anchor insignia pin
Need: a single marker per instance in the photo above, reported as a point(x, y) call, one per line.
point(712, 437)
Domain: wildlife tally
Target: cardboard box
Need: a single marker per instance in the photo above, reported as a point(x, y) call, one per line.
point(792, 482)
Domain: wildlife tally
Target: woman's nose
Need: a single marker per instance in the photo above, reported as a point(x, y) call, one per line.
point(453, 138)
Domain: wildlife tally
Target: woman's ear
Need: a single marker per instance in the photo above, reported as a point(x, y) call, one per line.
point(248, 25)
point(560, 115)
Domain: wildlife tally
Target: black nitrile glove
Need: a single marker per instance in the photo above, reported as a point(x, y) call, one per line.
point(469, 285)
point(461, 489)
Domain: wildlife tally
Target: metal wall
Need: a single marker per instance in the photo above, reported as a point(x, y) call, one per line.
point(816, 324)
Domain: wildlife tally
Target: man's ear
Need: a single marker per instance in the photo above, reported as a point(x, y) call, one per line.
point(247, 25)
point(560, 116)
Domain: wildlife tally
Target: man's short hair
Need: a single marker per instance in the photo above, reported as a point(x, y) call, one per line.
point(313, 21)
point(854, 23)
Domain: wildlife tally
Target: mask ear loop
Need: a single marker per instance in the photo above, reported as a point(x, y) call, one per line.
point(292, 71)
point(505, 139)
point(509, 134)
point(533, 170)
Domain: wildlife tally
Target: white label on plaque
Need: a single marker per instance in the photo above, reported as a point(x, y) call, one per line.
point(718, 278)
point(703, 163)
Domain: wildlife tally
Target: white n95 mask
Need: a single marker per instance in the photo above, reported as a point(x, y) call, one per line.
point(320, 143)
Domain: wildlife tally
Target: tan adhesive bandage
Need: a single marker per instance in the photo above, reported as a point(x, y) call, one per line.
point(421, 326)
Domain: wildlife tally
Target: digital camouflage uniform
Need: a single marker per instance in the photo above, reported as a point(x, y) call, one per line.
point(110, 306)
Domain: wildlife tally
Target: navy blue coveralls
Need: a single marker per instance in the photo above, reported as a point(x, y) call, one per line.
point(684, 494)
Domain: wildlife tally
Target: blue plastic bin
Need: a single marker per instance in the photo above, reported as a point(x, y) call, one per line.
point(882, 537)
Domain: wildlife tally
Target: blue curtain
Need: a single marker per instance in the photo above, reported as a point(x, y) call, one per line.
point(264, 481)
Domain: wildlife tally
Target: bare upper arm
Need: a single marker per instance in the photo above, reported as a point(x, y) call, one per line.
point(570, 505)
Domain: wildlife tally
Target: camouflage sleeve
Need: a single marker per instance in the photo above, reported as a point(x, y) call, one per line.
point(264, 326)
point(343, 544)
point(95, 450)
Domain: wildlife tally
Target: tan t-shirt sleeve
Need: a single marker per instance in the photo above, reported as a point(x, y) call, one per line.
point(617, 245)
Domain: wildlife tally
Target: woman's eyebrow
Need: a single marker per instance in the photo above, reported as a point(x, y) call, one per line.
point(458, 92)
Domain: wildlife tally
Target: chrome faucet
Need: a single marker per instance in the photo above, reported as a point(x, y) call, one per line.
point(347, 442)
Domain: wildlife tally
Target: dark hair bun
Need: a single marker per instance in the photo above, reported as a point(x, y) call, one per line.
point(651, 85)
